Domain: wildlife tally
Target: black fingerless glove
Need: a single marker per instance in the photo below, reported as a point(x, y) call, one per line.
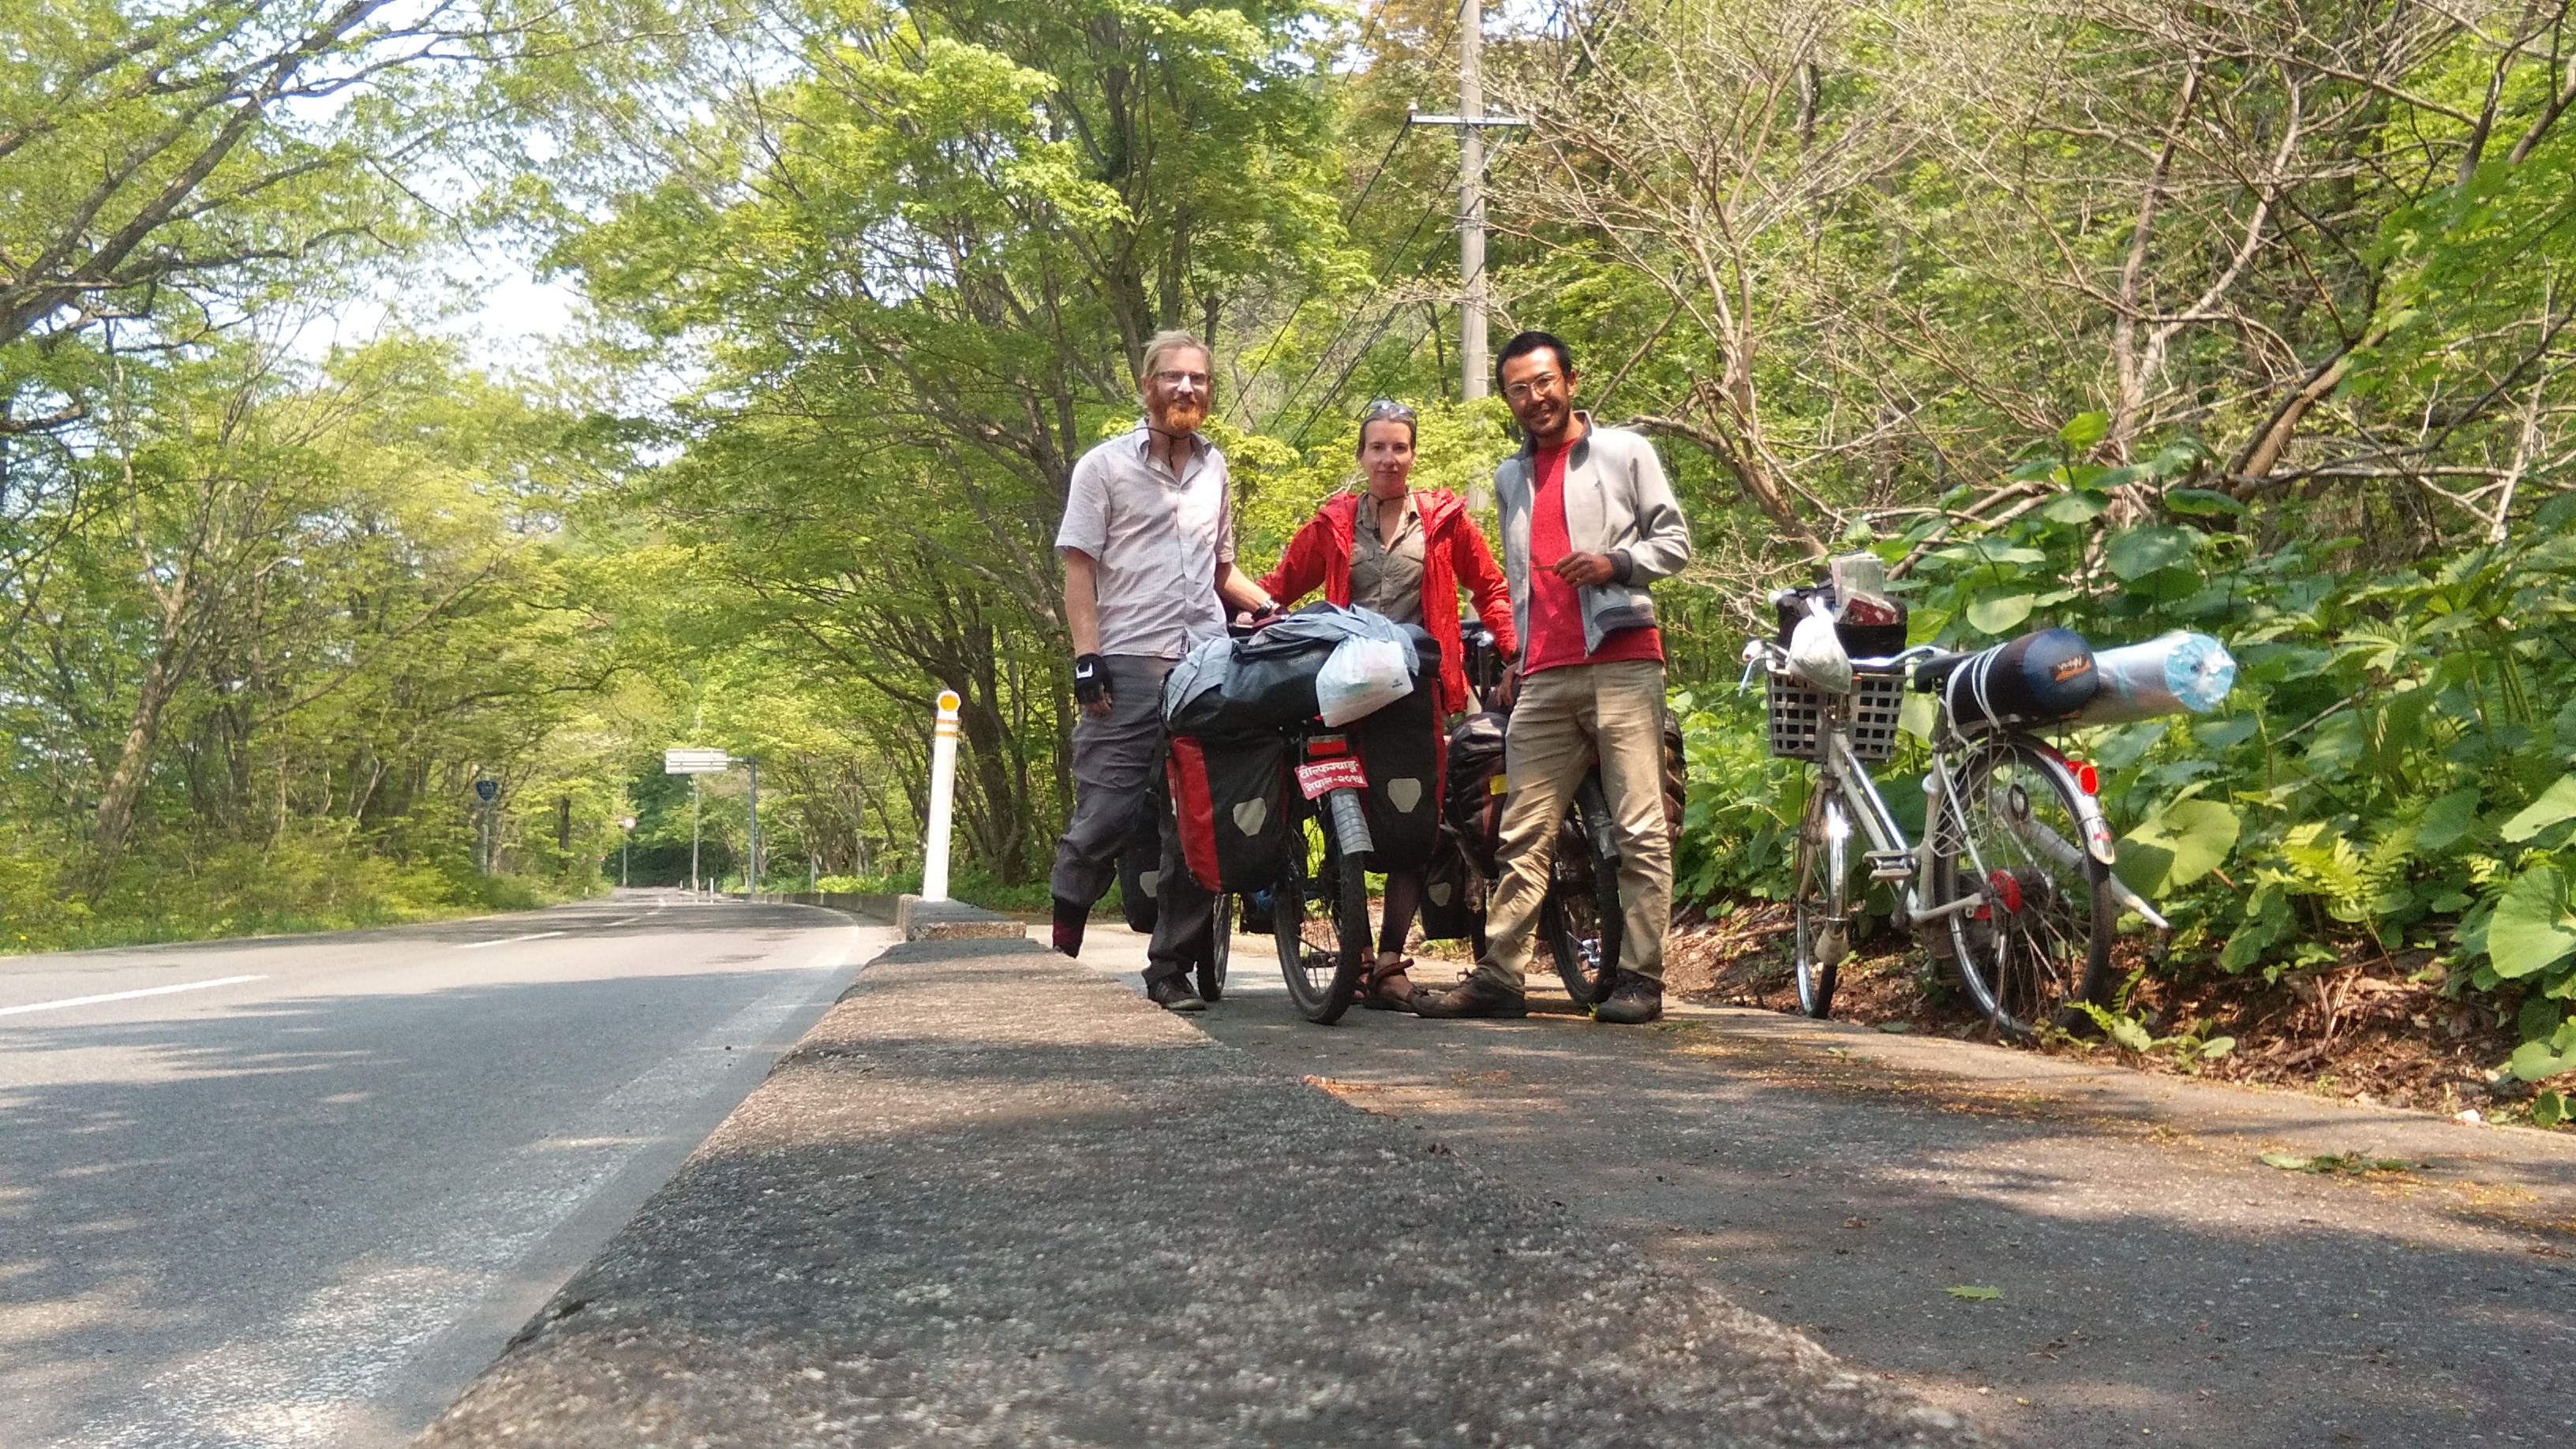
point(1090, 679)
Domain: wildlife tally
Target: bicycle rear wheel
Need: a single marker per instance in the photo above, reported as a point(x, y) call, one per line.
point(1320, 915)
point(1220, 947)
point(1820, 898)
point(2038, 942)
point(1580, 916)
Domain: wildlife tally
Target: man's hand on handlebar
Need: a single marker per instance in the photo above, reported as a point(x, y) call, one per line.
point(1091, 683)
point(1269, 613)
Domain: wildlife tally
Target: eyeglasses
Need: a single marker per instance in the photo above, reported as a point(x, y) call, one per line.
point(1170, 378)
point(1385, 410)
point(1529, 387)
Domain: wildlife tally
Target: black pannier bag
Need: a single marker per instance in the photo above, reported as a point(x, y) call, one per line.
point(1230, 797)
point(1449, 905)
point(1860, 641)
point(2046, 674)
point(1400, 747)
point(1475, 770)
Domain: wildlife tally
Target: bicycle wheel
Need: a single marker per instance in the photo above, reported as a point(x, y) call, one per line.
point(1220, 946)
point(2039, 939)
point(1581, 914)
point(1320, 914)
point(1820, 899)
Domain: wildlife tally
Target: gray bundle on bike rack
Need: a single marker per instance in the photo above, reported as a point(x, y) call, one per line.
point(2047, 674)
point(1267, 680)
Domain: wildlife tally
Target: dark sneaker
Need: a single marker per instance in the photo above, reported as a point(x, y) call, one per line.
point(1474, 996)
point(1174, 993)
point(1069, 921)
point(1633, 1002)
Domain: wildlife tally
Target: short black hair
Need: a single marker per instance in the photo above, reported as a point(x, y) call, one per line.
point(1525, 343)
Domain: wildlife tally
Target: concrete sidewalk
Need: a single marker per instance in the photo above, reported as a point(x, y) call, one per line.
point(993, 1198)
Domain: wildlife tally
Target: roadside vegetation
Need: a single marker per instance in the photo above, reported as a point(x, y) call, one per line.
point(2128, 315)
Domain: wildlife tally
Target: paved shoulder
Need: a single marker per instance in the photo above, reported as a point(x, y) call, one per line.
point(993, 1198)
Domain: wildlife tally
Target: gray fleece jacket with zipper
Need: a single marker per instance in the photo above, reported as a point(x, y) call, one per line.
point(1616, 503)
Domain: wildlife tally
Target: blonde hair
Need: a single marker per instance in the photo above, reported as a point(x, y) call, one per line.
point(1165, 342)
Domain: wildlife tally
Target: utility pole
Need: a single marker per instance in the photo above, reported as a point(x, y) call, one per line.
point(693, 835)
point(751, 882)
point(1471, 198)
point(1471, 122)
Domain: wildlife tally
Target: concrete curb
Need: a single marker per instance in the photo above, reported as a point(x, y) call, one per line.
point(921, 920)
point(994, 1199)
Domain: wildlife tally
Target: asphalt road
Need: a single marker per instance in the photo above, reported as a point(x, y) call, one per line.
point(300, 1190)
point(2073, 1254)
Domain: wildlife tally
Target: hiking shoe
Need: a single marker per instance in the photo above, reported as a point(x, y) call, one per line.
point(1069, 921)
point(1174, 993)
point(1474, 996)
point(1633, 1002)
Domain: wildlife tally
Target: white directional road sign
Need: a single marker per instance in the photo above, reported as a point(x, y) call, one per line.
point(695, 762)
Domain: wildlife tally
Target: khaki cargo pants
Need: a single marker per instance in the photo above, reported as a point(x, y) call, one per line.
point(1563, 716)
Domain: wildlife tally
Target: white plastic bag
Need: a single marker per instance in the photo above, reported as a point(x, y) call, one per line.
point(1816, 651)
point(1361, 677)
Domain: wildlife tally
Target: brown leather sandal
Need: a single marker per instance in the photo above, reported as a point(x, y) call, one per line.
point(1387, 987)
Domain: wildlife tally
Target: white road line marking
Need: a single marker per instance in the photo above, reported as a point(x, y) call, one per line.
point(621, 920)
point(295, 1380)
point(127, 995)
point(506, 940)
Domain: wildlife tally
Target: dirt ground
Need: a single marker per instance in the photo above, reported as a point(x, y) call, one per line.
point(2374, 1028)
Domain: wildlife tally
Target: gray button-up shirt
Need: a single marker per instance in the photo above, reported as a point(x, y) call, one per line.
point(1157, 539)
point(1387, 577)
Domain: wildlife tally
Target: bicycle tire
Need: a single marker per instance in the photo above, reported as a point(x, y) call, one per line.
point(2039, 943)
point(1220, 947)
point(1580, 916)
point(1820, 902)
point(1319, 917)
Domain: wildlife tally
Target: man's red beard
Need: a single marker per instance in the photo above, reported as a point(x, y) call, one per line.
point(1183, 415)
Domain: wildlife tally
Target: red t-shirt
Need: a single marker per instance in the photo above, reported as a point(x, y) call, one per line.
point(1555, 606)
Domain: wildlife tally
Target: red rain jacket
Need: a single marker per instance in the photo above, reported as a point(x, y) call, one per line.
point(1453, 553)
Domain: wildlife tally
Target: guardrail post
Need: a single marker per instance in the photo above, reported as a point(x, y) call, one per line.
point(943, 784)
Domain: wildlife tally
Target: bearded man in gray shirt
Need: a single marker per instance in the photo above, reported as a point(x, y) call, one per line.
point(1148, 549)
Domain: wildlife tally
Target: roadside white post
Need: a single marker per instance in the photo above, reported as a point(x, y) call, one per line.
point(943, 783)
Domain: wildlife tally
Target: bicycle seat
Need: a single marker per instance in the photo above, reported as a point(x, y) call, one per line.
point(1929, 674)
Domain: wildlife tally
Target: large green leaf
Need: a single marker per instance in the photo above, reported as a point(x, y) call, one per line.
point(2531, 927)
point(2083, 430)
point(2556, 803)
point(2536, 1061)
point(2196, 834)
point(1996, 613)
point(2201, 500)
point(2141, 551)
point(2448, 818)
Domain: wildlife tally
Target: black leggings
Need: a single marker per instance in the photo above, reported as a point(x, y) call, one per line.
point(1403, 898)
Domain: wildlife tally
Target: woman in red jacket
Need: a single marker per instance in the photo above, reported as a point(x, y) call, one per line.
point(1404, 553)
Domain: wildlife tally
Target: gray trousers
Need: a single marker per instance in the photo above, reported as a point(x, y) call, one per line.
point(1117, 765)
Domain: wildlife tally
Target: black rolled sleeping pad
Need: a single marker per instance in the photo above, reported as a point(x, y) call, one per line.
point(2046, 674)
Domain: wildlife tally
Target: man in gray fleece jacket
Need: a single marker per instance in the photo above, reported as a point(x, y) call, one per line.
point(1588, 523)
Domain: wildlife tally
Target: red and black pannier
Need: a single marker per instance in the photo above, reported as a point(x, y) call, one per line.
point(1230, 797)
point(1401, 747)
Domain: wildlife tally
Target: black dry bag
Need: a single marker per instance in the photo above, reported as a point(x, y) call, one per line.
point(2043, 675)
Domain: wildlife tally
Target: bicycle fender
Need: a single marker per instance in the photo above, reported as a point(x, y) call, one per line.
point(2088, 811)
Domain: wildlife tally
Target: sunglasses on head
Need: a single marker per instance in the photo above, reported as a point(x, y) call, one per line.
point(1385, 410)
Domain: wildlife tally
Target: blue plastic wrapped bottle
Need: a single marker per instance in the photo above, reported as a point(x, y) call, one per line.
point(2176, 673)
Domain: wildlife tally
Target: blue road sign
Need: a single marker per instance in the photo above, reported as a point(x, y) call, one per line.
point(485, 790)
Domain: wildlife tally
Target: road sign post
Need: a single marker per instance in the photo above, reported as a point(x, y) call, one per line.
point(485, 792)
point(625, 845)
point(943, 784)
point(696, 762)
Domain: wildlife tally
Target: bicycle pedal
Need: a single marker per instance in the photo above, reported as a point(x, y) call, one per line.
point(1889, 864)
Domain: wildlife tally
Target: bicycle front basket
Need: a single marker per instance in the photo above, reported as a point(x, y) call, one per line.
point(1799, 711)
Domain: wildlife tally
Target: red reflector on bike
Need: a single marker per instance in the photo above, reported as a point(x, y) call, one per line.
point(2004, 889)
point(1325, 747)
point(2087, 778)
